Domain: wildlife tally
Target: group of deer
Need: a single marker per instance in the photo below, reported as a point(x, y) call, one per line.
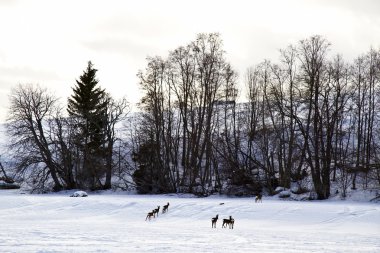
point(230, 222)
point(155, 211)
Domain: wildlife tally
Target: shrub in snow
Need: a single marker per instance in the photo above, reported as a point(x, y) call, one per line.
point(294, 189)
point(376, 199)
point(298, 189)
point(79, 194)
point(8, 186)
point(313, 196)
point(284, 194)
point(240, 190)
point(279, 189)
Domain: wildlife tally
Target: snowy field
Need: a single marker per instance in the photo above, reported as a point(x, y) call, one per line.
point(116, 223)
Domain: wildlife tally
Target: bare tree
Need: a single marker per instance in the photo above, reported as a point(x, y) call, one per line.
point(116, 111)
point(31, 108)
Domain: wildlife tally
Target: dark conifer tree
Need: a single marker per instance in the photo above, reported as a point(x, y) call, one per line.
point(88, 106)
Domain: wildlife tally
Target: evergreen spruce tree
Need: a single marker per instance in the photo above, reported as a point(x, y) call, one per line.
point(88, 107)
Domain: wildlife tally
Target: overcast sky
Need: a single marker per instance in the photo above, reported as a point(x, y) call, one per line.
point(50, 42)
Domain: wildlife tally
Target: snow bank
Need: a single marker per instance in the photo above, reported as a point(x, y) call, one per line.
point(116, 223)
point(79, 194)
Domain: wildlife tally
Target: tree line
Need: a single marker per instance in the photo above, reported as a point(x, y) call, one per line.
point(308, 120)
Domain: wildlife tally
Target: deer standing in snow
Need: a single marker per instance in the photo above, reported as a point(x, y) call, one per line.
point(230, 222)
point(165, 208)
point(155, 211)
point(258, 198)
point(150, 215)
point(214, 220)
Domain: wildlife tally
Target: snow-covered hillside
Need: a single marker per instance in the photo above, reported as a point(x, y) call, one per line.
point(116, 223)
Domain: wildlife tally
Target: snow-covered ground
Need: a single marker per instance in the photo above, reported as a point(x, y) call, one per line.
point(116, 223)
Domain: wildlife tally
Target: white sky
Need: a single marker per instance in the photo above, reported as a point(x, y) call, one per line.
point(50, 42)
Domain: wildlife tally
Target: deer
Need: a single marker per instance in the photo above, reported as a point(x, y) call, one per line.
point(155, 211)
point(150, 215)
point(214, 220)
point(258, 198)
point(230, 222)
point(165, 208)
